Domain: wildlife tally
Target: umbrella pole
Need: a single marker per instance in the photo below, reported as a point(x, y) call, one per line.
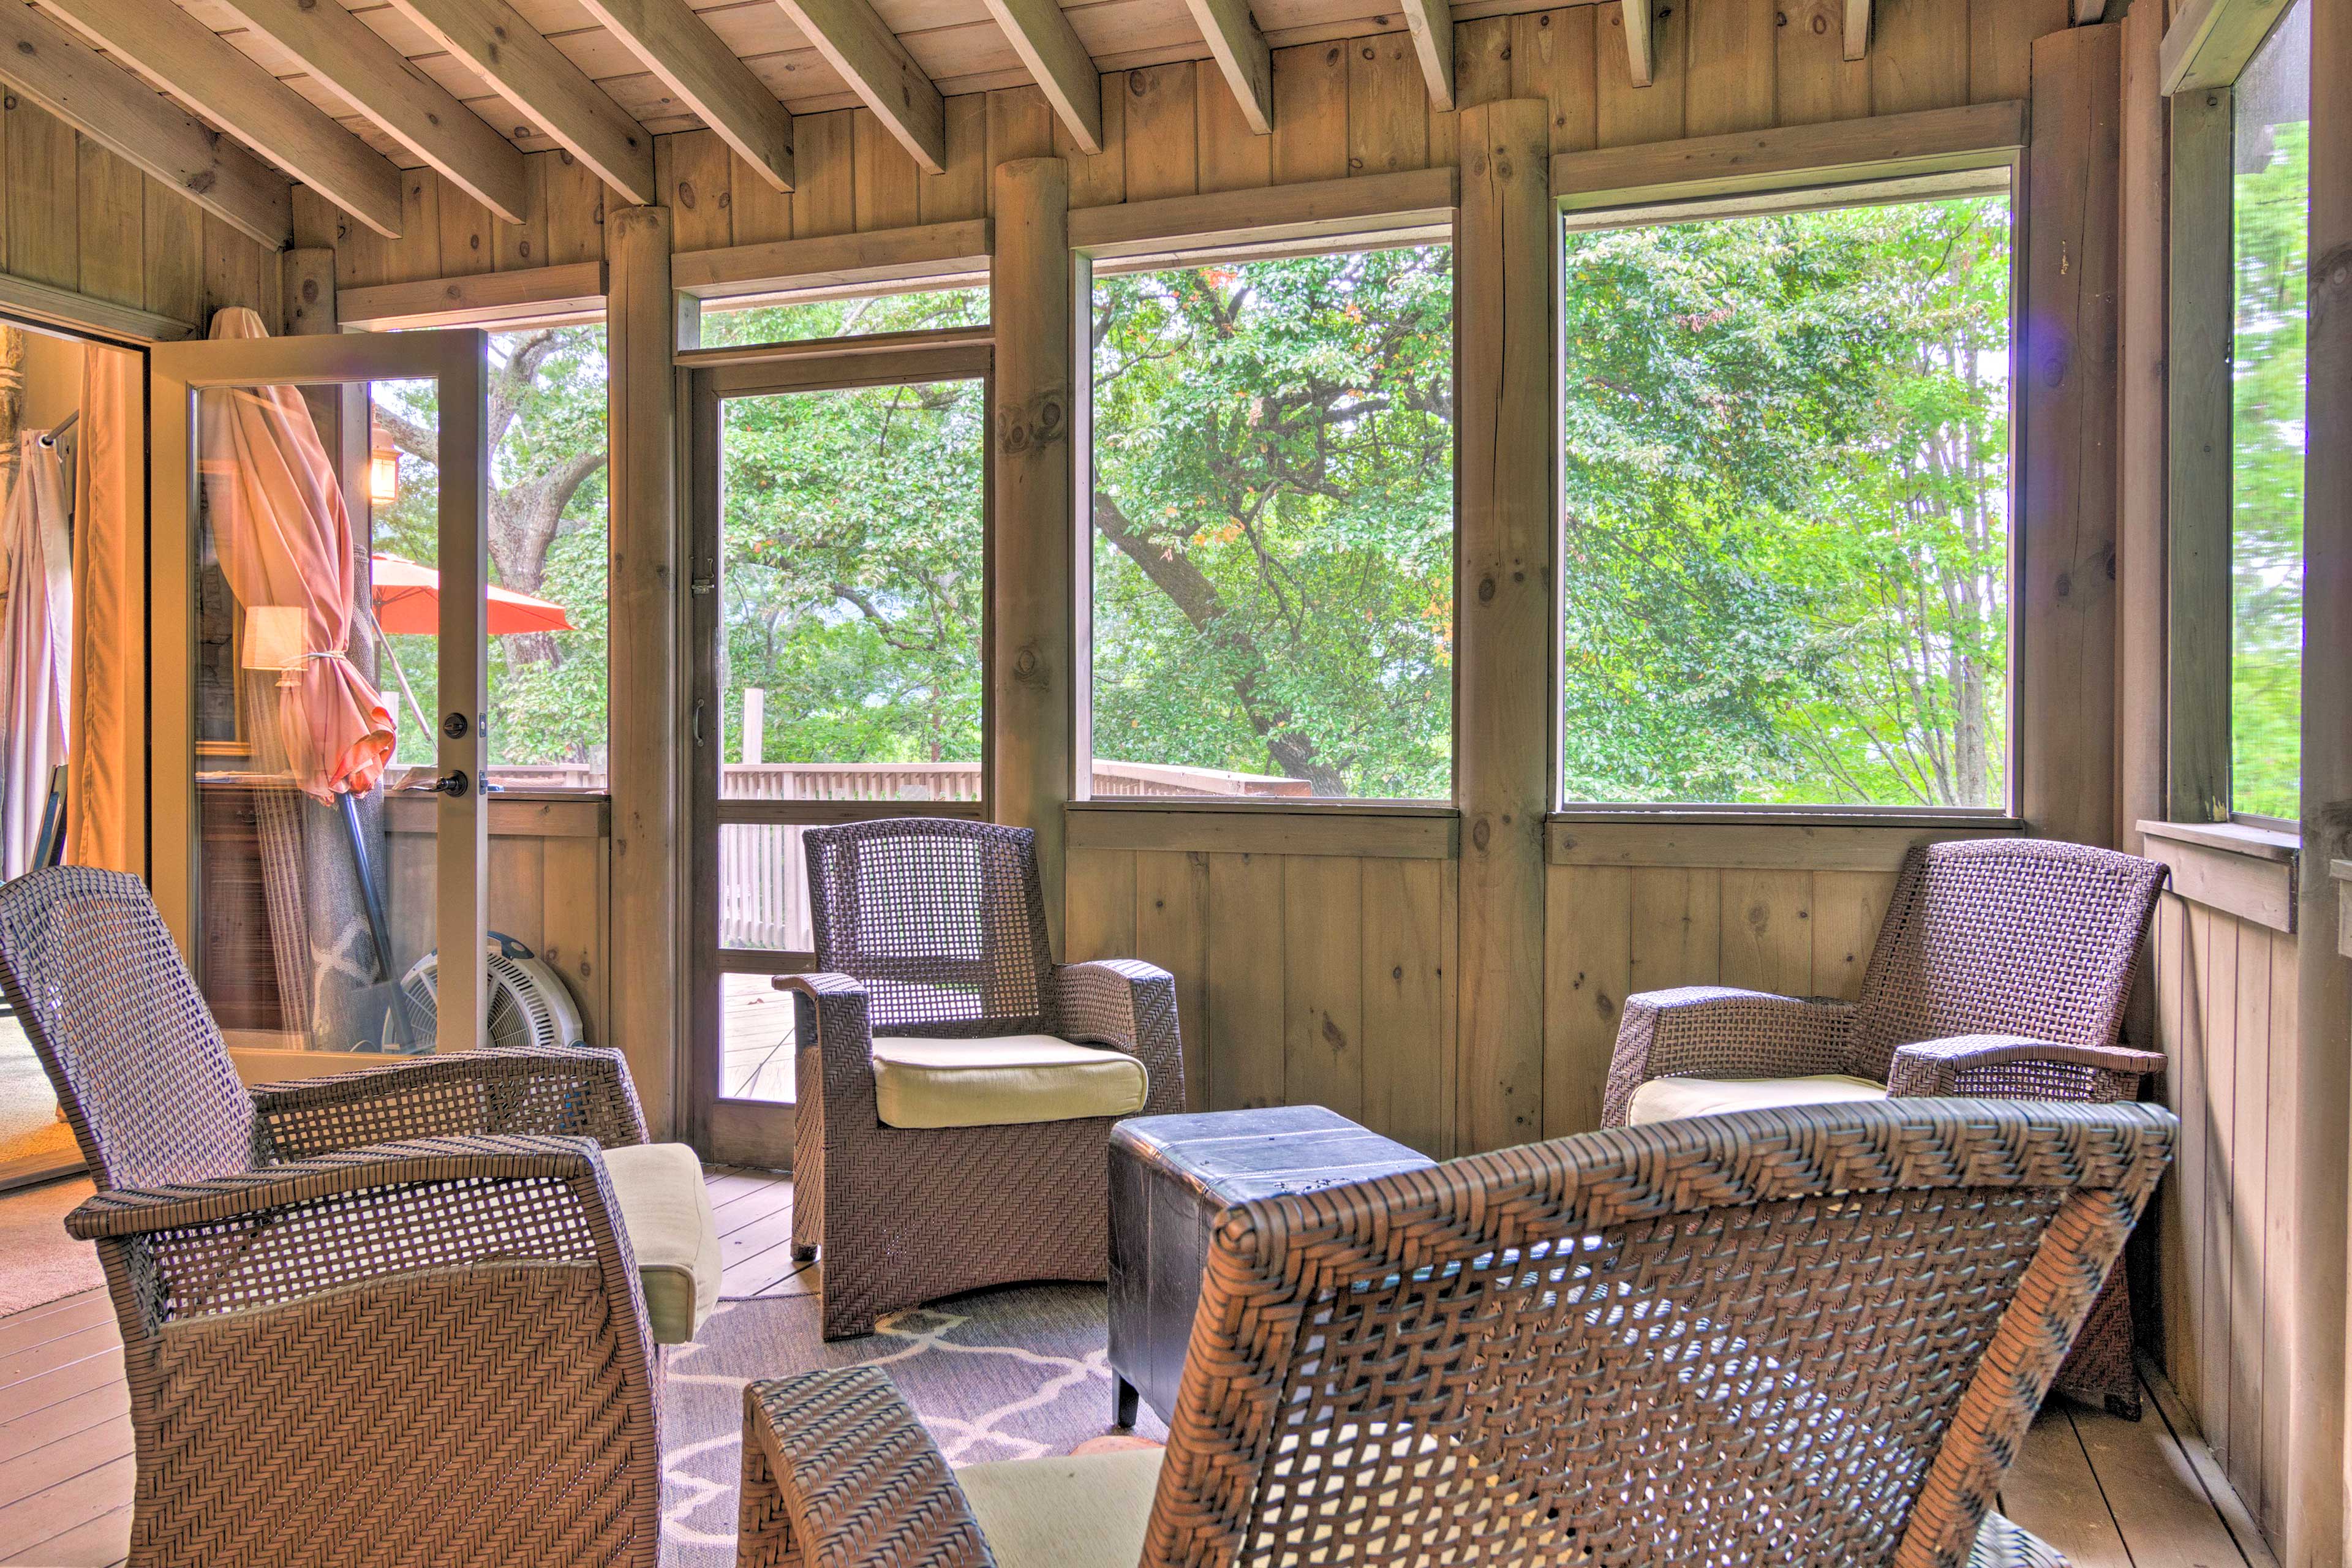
point(403, 1027)
point(401, 675)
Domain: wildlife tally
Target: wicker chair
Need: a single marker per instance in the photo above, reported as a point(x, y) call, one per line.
point(934, 931)
point(1814, 1335)
point(2002, 970)
point(393, 1315)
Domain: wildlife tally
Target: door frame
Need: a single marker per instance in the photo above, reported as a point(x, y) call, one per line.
point(759, 1133)
point(455, 359)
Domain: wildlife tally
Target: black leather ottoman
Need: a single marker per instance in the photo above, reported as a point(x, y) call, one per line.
point(1171, 1178)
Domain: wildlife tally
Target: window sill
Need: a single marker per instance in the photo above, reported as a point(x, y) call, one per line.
point(1756, 841)
point(2246, 873)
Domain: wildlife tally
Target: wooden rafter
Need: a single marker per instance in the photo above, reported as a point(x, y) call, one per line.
point(1431, 22)
point(212, 77)
point(869, 57)
point(1241, 54)
point(1642, 40)
point(679, 47)
point(59, 73)
point(1049, 47)
point(374, 77)
point(1857, 28)
point(511, 55)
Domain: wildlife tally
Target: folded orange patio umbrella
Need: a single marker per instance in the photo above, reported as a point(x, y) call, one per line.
point(408, 600)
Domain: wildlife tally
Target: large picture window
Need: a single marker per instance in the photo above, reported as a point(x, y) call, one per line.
point(1273, 528)
point(2271, 200)
point(1785, 559)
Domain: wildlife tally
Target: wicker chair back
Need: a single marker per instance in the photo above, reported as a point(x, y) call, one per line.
point(139, 1066)
point(942, 919)
point(2007, 936)
point(1804, 1335)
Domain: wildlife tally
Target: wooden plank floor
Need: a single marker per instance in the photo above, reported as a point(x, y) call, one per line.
point(2109, 1493)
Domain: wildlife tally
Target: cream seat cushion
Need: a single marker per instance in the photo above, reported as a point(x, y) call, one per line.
point(1081, 1510)
point(1000, 1080)
point(665, 1209)
point(1672, 1098)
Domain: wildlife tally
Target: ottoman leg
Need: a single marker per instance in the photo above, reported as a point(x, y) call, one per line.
point(1123, 1403)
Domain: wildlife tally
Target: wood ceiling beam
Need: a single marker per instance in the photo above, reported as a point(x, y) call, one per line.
point(1049, 47)
point(414, 111)
point(1431, 22)
point(1231, 34)
point(679, 47)
point(1858, 20)
point(58, 72)
point(1642, 41)
point(512, 56)
point(869, 57)
point(219, 81)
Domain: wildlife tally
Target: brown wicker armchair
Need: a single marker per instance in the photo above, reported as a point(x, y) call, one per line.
point(1811, 1335)
point(393, 1315)
point(955, 1097)
point(2002, 970)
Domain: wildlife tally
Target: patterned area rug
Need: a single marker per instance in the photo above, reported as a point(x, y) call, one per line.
point(997, 1374)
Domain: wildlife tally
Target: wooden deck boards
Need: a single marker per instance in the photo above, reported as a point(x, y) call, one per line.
point(2110, 1493)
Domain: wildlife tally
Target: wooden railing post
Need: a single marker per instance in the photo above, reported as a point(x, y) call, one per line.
point(1507, 436)
point(1033, 666)
point(648, 909)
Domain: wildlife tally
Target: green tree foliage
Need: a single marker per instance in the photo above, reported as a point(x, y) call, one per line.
point(1784, 496)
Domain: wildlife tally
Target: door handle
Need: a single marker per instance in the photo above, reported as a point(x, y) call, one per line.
point(698, 722)
point(454, 784)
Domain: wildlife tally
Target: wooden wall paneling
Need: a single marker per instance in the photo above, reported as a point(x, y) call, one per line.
point(173, 240)
point(1726, 87)
point(1676, 928)
point(2001, 42)
point(1506, 332)
point(572, 933)
point(1847, 910)
point(1813, 80)
point(1032, 668)
point(962, 191)
point(1322, 915)
point(1099, 179)
point(111, 226)
point(2181, 1255)
point(1162, 132)
point(697, 181)
point(319, 224)
point(1171, 929)
point(518, 879)
point(2217, 974)
point(1100, 904)
point(577, 199)
point(1483, 50)
point(44, 196)
point(1404, 1027)
point(1625, 114)
point(1919, 55)
point(517, 247)
point(1388, 106)
point(1246, 938)
point(648, 904)
point(1767, 931)
point(417, 252)
point(1311, 112)
point(2250, 1096)
point(2197, 510)
point(1552, 59)
point(1231, 157)
point(1587, 975)
point(2067, 693)
point(886, 176)
point(2281, 1248)
point(234, 273)
point(824, 201)
point(1020, 125)
point(467, 243)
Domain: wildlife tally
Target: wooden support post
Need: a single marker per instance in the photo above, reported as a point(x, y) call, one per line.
point(2197, 485)
point(2315, 1507)
point(2067, 693)
point(1032, 667)
point(648, 910)
point(2140, 549)
point(1507, 438)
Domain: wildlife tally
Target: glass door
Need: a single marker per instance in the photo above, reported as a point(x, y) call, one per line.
point(327, 914)
point(839, 570)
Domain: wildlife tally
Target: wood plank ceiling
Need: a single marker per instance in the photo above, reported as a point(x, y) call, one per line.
point(343, 93)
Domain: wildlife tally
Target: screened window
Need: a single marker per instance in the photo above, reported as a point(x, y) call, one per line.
point(548, 537)
point(732, 323)
point(2271, 200)
point(1785, 558)
point(1273, 528)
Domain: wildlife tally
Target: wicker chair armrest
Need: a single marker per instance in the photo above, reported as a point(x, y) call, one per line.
point(833, 1015)
point(1718, 1031)
point(1126, 1003)
point(2011, 1067)
point(837, 1469)
point(281, 1234)
point(556, 1091)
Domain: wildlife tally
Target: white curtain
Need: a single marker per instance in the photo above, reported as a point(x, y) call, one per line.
point(36, 646)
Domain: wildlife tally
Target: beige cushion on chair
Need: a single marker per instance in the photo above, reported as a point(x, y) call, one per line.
point(665, 1209)
point(1002, 1080)
point(1082, 1511)
point(1672, 1098)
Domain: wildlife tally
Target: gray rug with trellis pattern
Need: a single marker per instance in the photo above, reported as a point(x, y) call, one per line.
point(996, 1375)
